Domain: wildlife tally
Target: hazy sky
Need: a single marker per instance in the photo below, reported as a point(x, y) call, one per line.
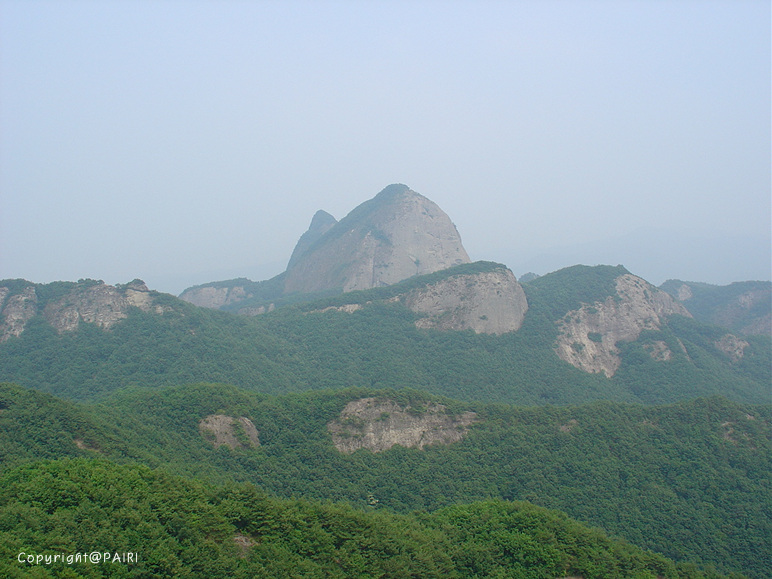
point(187, 142)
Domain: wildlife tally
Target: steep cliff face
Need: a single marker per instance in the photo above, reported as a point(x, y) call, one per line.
point(394, 236)
point(321, 223)
point(89, 302)
point(377, 425)
point(589, 336)
point(215, 297)
point(230, 431)
point(488, 303)
point(17, 309)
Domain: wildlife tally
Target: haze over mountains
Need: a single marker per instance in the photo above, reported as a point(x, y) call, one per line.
point(396, 235)
point(382, 370)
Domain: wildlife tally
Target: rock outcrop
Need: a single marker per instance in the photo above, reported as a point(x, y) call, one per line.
point(589, 336)
point(732, 346)
point(88, 301)
point(377, 425)
point(17, 310)
point(230, 431)
point(396, 235)
point(215, 296)
point(488, 303)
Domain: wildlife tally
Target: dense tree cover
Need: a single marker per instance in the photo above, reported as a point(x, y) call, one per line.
point(297, 348)
point(568, 288)
point(180, 528)
point(689, 481)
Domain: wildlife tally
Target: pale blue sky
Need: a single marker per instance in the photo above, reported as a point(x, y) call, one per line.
point(186, 142)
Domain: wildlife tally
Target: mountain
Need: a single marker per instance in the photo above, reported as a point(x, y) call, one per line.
point(688, 481)
point(396, 235)
point(357, 376)
point(744, 307)
point(470, 332)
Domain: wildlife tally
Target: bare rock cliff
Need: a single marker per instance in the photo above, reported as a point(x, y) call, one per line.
point(90, 302)
point(214, 297)
point(488, 303)
point(230, 431)
point(321, 223)
point(394, 236)
point(377, 425)
point(17, 309)
point(589, 335)
point(732, 346)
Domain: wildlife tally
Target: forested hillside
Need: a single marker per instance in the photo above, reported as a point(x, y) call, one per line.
point(174, 527)
point(321, 344)
point(689, 481)
point(632, 417)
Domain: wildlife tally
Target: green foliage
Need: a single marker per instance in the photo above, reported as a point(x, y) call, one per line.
point(182, 528)
point(567, 289)
point(298, 348)
point(526, 541)
point(689, 481)
point(724, 305)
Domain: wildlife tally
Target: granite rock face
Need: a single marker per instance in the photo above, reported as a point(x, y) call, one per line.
point(230, 431)
point(589, 335)
point(377, 425)
point(396, 235)
point(321, 223)
point(86, 301)
point(732, 346)
point(215, 297)
point(17, 309)
point(488, 303)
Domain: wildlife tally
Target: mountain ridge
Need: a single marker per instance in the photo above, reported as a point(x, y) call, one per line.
point(626, 468)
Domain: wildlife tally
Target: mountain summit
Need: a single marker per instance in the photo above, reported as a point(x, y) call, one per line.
point(394, 236)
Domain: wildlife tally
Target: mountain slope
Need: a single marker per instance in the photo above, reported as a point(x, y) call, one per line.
point(686, 480)
point(744, 307)
point(147, 523)
point(470, 332)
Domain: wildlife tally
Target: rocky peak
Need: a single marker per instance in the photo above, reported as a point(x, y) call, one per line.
point(216, 296)
point(487, 301)
point(321, 223)
point(394, 236)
